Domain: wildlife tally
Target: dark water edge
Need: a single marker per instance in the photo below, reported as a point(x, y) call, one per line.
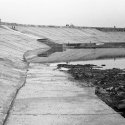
point(108, 62)
point(109, 83)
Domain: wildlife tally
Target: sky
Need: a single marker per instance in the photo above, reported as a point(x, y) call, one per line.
point(96, 13)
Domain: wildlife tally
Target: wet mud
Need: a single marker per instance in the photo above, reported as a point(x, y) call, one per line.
point(109, 83)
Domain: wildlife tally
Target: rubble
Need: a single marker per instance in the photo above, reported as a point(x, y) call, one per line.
point(109, 83)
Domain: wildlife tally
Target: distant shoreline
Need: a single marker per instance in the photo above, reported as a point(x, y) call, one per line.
point(104, 29)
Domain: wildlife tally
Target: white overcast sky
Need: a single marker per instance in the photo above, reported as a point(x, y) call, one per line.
point(61, 12)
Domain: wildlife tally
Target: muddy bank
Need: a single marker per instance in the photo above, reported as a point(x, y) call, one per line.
point(109, 83)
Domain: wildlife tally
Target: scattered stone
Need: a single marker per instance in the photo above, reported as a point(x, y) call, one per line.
point(109, 83)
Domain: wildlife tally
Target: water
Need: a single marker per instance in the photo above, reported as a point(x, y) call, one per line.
point(109, 63)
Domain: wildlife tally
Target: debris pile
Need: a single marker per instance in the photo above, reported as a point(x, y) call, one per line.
point(109, 83)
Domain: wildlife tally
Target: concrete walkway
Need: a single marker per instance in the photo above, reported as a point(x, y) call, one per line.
point(49, 98)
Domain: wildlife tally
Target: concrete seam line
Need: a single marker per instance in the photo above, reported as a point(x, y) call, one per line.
point(13, 100)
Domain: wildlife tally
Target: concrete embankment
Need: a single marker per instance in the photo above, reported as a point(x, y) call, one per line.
point(50, 98)
point(13, 70)
point(11, 80)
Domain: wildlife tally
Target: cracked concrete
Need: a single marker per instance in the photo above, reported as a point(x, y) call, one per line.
point(11, 80)
point(54, 100)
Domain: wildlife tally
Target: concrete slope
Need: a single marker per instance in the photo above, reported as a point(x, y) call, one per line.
point(13, 69)
point(13, 44)
point(50, 98)
point(11, 79)
point(73, 35)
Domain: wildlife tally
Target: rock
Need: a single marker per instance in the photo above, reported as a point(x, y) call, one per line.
point(109, 84)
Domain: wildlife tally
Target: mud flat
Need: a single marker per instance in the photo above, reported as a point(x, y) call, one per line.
point(109, 83)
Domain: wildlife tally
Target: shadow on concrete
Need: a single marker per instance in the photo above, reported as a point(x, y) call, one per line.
point(54, 47)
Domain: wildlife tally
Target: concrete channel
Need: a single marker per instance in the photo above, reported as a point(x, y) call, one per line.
point(50, 98)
